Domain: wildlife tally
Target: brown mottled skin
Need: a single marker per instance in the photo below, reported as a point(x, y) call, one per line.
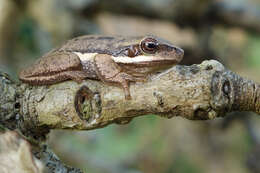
point(111, 61)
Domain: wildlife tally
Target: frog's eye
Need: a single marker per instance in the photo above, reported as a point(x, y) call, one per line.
point(149, 45)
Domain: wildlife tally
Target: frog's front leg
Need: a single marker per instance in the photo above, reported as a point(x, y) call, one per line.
point(123, 79)
point(109, 72)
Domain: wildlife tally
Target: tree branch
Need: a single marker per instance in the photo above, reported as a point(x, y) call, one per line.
point(196, 92)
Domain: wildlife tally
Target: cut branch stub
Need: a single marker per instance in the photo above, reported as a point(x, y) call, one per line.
point(197, 92)
point(234, 93)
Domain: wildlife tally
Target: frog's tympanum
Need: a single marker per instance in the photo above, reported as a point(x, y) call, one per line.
point(116, 60)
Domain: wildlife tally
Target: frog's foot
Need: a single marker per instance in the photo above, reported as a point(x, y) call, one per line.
point(138, 79)
point(125, 86)
point(76, 76)
point(121, 79)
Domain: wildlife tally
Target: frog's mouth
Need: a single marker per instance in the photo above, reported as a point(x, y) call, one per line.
point(146, 61)
point(150, 63)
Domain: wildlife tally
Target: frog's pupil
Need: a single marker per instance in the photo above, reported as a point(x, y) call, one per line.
point(150, 45)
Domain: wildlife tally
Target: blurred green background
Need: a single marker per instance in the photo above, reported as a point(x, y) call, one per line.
point(226, 30)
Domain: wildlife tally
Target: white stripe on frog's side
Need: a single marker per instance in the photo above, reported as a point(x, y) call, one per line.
point(85, 57)
point(88, 57)
point(135, 60)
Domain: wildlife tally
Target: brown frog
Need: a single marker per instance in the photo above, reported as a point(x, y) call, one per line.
point(116, 60)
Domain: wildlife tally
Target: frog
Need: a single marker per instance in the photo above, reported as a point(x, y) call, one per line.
point(114, 60)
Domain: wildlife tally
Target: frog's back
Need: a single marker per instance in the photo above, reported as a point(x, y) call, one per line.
point(97, 44)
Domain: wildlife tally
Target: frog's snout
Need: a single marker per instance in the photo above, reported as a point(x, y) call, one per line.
point(179, 51)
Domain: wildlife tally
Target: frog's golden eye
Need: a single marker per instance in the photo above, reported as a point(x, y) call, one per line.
point(149, 45)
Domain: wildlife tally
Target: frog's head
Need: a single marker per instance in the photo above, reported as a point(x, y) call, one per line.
point(149, 51)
